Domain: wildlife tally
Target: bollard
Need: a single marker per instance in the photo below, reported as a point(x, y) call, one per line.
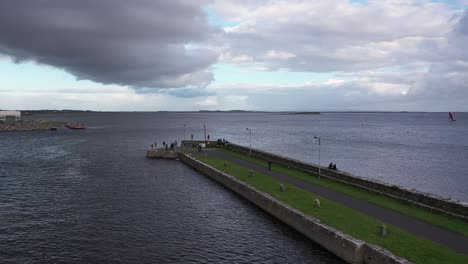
point(250, 173)
point(383, 230)
point(317, 203)
point(282, 188)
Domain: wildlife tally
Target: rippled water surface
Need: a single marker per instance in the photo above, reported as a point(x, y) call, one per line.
point(91, 197)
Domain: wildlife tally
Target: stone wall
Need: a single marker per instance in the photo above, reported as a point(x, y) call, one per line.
point(162, 154)
point(430, 201)
point(342, 245)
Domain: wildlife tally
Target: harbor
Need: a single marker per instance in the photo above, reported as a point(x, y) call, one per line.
point(99, 179)
point(11, 121)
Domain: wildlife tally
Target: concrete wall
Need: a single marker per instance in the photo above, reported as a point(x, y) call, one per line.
point(344, 246)
point(433, 202)
point(376, 255)
point(162, 154)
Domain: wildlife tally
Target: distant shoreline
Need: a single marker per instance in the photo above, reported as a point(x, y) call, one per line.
point(36, 112)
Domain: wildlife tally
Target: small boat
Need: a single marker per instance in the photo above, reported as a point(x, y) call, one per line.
point(75, 126)
point(53, 128)
point(451, 119)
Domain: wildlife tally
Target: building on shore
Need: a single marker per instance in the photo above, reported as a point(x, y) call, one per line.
point(10, 116)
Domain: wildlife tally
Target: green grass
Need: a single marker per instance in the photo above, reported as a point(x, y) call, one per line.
point(438, 219)
point(401, 243)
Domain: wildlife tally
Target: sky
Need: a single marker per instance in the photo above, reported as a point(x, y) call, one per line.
point(261, 55)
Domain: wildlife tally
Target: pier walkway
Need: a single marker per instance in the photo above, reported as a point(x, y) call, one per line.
point(450, 239)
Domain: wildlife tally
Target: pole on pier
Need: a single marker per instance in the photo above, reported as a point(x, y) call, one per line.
point(250, 141)
point(204, 128)
point(316, 137)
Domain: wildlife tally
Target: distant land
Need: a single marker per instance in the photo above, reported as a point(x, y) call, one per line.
point(54, 111)
point(32, 112)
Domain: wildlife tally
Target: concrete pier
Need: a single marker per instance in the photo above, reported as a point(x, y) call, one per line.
point(346, 247)
point(162, 154)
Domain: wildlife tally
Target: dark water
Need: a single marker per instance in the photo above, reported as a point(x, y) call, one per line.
point(91, 197)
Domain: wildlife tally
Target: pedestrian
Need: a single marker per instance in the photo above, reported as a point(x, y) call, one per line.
point(151, 146)
point(164, 143)
point(155, 144)
point(191, 136)
point(175, 143)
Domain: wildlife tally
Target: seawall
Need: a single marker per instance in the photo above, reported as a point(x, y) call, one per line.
point(162, 154)
point(433, 202)
point(344, 246)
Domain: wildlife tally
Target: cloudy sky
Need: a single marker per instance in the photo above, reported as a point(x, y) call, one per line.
point(277, 55)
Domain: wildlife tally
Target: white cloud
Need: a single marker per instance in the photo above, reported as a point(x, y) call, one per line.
point(209, 101)
point(406, 50)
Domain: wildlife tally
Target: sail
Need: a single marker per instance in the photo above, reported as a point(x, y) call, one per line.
point(451, 117)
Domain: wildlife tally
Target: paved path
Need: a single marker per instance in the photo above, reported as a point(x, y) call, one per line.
point(439, 235)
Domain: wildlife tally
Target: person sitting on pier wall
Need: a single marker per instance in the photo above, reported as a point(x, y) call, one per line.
point(330, 166)
point(334, 167)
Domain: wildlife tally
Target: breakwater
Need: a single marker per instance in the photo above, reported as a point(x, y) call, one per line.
point(32, 125)
point(433, 202)
point(346, 247)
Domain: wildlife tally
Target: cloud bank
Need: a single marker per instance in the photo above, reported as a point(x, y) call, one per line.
point(142, 43)
point(380, 54)
point(404, 52)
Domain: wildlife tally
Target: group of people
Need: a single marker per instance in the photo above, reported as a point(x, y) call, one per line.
point(222, 142)
point(332, 166)
point(172, 145)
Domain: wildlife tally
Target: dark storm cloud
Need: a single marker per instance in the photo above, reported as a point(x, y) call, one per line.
point(141, 43)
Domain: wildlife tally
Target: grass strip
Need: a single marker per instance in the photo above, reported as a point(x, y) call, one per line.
point(407, 208)
point(401, 243)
